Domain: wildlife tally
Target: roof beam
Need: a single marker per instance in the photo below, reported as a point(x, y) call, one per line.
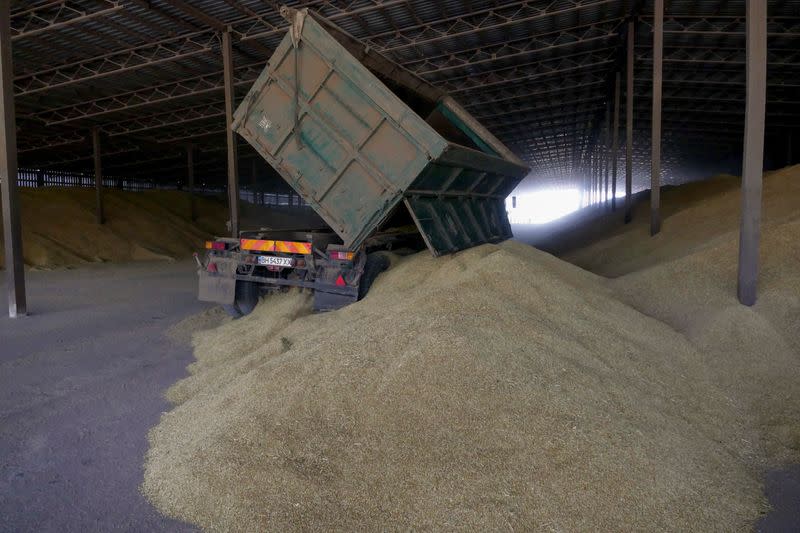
point(557, 66)
point(591, 33)
point(116, 62)
point(484, 20)
point(53, 16)
point(199, 14)
point(158, 94)
point(161, 120)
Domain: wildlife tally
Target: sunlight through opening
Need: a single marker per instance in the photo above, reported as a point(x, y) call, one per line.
point(543, 206)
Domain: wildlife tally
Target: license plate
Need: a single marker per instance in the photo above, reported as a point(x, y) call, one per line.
point(274, 260)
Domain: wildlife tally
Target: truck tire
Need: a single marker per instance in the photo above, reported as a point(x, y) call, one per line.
point(376, 263)
point(245, 300)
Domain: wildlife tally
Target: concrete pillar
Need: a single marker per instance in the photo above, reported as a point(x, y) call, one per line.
point(753, 156)
point(12, 227)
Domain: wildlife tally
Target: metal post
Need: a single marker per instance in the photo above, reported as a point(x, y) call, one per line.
point(788, 148)
point(587, 169)
point(598, 172)
point(12, 227)
point(753, 156)
point(593, 170)
point(98, 175)
point(655, 134)
point(190, 172)
point(615, 144)
point(629, 126)
point(598, 175)
point(233, 171)
point(254, 176)
point(606, 147)
point(591, 178)
point(574, 173)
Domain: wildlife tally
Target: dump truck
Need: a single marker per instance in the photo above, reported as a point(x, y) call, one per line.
point(342, 124)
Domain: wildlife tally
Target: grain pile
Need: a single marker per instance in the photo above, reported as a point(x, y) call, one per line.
point(686, 277)
point(59, 227)
point(696, 216)
point(497, 388)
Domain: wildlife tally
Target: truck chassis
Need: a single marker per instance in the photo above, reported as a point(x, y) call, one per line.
point(236, 272)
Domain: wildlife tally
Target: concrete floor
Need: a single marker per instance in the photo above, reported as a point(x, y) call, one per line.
point(81, 381)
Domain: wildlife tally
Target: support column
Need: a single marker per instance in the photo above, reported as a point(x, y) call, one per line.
point(254, 176)
point(606, 150)
point(98, 176)
point(233, 171)
point(588, 170)
point(615, 143)
point(598, 172)
point(190, 176)
point(629, 125)
point(753, 156)
point(12, 228)
point(593, 174)
point(655, 133)
point(587, 166)
point(592, 178)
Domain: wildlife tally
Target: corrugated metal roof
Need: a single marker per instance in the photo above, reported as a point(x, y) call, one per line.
point(538, 73)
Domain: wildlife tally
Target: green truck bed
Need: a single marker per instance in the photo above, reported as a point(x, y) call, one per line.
point(355, 151)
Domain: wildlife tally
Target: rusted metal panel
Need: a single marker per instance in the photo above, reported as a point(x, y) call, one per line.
point(354, 150)
point(351, 147)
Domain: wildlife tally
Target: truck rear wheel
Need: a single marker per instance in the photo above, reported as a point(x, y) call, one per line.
point(375, 264)
point(245, 300)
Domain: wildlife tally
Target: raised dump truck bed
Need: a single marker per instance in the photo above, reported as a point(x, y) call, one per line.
point(359, 155)
point(354, 150)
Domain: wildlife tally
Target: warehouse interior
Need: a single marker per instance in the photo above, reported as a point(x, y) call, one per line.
point(647, 127)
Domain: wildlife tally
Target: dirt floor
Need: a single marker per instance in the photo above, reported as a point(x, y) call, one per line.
point(81, 381)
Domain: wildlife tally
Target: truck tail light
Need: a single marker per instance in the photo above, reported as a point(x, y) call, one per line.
point(215, 245)
point(341, 256)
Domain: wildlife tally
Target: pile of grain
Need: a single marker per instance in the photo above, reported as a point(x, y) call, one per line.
point(497, 388)
point(59, 228)
point(686, 277)
point(696, 216)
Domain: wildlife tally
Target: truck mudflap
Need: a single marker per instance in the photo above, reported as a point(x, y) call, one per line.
point(325, 299)
point(335, 288)
point(215, 287)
